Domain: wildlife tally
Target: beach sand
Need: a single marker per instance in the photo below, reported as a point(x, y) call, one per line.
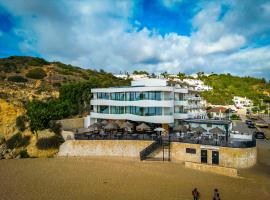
point(117, 179)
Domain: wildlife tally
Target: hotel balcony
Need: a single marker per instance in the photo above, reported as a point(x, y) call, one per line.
point(160, 119)
point(181, 115)
point(196, 114)
point(139, 103)
point(192, 98)
point(181, 103)
point(194, 106)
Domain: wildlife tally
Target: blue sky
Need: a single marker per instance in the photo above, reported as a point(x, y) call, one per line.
point(188, 36)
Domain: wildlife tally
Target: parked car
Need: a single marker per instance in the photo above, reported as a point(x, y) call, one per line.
point(259, 135)
point(248, 121)
point(251, 126)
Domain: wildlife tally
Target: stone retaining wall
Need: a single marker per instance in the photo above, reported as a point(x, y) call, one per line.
point(124, 148)
point(228, 157)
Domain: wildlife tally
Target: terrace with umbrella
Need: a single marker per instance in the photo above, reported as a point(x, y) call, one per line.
point(217, 133)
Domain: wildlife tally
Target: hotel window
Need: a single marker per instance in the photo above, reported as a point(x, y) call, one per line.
point(132, 96)
point(138, 96)
point(102, 95)
point(158, 111)
point(145, 95)
point(151, 96)
point(118, 96)
point(117, 109)
point(103, 109)
point(158, 96)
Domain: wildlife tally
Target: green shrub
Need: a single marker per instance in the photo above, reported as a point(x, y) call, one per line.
point(20, 122)
point(50, 142)
point(8, 67)
point(18, 79)
point(37, 62)
point(235, 117)
point(36, 73)
point(24, 154)
point(17, 140)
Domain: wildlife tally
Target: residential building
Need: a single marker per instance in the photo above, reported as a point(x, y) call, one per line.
point(198, 84)
point(131, 76)
point(147, 100)
point(219, 112)
point(241, 102)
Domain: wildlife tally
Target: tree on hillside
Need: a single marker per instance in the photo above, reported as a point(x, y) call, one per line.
point(140, 72)
point(181, 75)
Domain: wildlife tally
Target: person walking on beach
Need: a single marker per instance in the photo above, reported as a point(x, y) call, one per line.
point(216, 195)
point(195, 194)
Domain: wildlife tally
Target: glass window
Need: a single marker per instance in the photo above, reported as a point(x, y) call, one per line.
point(118, 96)
point(117, 109)
point(151, 96)
point(137, 95)
point(158, 96)
point(127, 94)
point(145, 95)
point(158, 111)
point(102, 95)
point(104, 109)
point(132, 96)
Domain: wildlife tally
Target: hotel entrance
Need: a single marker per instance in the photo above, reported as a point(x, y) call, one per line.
point(215, 157)
point(203, 156)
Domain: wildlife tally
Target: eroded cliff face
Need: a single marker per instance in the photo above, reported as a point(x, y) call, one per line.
point(8, 114)
point(26, 140)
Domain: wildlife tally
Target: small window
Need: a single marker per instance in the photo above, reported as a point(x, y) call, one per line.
point(209, 125)
point(191, 150)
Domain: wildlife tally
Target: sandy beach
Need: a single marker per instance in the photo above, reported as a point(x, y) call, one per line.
point(115, 178)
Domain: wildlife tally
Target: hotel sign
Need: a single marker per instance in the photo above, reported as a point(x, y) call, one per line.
point(210, 147)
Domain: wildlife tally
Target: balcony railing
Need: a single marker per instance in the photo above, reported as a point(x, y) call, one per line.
point(173, 138)
point(192, 98)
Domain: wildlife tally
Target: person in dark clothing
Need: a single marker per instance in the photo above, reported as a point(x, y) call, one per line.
point(216, 195)
point(195, 194)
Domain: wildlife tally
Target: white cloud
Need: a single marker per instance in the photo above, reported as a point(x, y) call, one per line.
point(99, 35)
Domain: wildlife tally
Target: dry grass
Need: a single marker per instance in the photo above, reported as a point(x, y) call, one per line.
point(34, 151)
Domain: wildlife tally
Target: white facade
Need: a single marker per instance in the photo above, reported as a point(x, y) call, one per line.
point(146, 100)
point(241, 102)
point(198, 84)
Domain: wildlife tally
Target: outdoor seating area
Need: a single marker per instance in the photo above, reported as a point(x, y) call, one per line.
point(199, 135)
point(117, 130)
point(126, 130)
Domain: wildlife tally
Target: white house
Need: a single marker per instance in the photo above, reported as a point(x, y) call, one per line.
point(198, 84)
point(241, 102)
point(146, 100)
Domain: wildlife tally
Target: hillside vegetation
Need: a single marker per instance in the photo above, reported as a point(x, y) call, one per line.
point(34, 93)
point(225, 86)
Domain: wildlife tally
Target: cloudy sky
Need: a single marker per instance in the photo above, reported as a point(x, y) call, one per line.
point(223, 36)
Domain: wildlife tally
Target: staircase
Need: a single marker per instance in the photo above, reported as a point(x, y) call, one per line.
point(161, 144)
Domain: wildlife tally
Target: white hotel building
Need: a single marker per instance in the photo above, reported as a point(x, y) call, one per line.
point(146, 100)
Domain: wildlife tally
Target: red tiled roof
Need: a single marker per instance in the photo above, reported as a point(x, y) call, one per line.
point(218, 109)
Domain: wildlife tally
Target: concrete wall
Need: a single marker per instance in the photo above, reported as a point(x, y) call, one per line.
point(125, 148)
point(72, 123)
point(228, 157)
point(67, 135)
